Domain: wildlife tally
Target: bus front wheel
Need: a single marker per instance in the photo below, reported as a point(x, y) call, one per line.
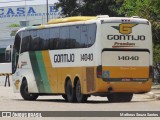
point(79, 96)
point(70, 92)
point(25, 94)
point(120, 97)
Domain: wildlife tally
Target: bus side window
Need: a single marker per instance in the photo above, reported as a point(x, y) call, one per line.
point(84, 36)
point(2, 55)
point(75, 36)
point(44, 39)
point(91, 34)
point(54, 39)
point(64, 37)
point(35, 42)
point(8, 56)
point(26, 38)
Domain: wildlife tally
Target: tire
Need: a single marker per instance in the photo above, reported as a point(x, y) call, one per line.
point(24, 92)
point(81, 98)
point(120, 97)
point(65, 97)
point(70, 92)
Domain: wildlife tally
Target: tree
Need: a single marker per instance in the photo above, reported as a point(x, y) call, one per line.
point(14, 28)
point(68, 7)
point(89, 7)
point(148, 9)
point(14, 25)
point(99, 7)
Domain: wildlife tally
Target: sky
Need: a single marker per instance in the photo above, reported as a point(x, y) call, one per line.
point(4, 3)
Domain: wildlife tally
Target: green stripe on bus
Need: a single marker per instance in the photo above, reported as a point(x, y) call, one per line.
point(36, 72)
point(43, 72)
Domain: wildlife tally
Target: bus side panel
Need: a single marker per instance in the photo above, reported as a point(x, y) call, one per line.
point(24, 70)
point(51, 73)
point(40, 72)
point(70, 72)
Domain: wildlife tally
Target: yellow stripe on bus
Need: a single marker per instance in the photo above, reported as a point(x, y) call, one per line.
point(71, 19)
point(51, 73)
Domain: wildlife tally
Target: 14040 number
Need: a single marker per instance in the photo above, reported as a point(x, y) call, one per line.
point(128, 57)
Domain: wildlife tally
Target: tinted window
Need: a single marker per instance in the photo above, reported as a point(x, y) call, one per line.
point(91, 34)
point(84, 36)
point(2, 55)
point(16, 48)
point(35, 42)
point(25, 41)
point(54, 38)
point(63, 43)
point(44, 39)
point(8, 56)
point(75, 36)
point(17, 42)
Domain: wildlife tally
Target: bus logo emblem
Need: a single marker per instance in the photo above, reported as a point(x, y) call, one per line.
point(125, 28)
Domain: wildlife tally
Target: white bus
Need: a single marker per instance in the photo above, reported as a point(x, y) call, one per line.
point(81, 56)
point(5, 65)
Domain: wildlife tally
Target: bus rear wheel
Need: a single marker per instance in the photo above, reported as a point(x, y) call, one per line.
point(70, 92)
point(120, 97)
point(79, 96)
point(25, 94)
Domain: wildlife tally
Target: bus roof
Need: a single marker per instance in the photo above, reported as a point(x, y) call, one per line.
point(71, 19)
point(102, 18)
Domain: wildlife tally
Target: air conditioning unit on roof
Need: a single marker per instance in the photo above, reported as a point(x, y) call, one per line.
point(102, 16)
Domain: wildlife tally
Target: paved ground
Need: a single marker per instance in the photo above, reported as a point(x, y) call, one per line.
point(10, 101)
point(155, 91)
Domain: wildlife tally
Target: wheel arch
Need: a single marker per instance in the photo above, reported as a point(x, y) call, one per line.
point(32, 86)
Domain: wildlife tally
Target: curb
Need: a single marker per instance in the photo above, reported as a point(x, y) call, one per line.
point(154, 95)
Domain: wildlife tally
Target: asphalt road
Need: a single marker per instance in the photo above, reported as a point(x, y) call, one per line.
point(10, 101)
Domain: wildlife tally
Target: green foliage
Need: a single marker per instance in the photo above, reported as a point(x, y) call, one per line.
point(14, 25)
point(89, 7)
point(156, 53)
point(148, 9)
point(68, 7)
point(99, 7)
point(13, 33)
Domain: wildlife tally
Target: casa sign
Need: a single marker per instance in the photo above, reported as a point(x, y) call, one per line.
point(29, 11)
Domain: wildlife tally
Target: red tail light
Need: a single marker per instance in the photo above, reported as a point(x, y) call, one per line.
point(99, 71)
point(151, 72)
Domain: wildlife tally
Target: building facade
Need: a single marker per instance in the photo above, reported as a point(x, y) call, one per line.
point(14, 17)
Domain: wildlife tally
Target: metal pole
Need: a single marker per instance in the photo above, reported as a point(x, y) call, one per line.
point(47, 9)
point(25, 11)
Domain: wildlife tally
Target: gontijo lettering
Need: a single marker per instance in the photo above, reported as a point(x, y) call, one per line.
point(125, 30)
point(61, 58)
